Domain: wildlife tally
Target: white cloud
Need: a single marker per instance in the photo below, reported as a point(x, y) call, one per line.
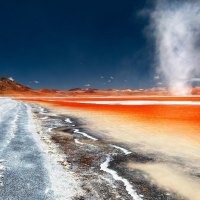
point(87, 85)
point(156, 77)
point(36, 82)
point(111, 77)
point(159, 83)
point(102, 77)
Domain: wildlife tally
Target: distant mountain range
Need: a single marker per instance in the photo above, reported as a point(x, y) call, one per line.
point(9, 87)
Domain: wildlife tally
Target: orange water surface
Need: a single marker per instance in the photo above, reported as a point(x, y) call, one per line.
point(170, 119)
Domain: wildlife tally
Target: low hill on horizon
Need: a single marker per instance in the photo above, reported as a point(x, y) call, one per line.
point(9, 87)
point(7, 84)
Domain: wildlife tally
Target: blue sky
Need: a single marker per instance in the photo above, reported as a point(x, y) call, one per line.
point(67, 44)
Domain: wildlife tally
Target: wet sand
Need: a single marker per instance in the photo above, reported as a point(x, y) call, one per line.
point(169, 133)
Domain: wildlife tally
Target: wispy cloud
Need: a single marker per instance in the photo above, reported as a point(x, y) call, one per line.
point(34, 82)
point(87, 85)
point(159, 83)
point(156, 77)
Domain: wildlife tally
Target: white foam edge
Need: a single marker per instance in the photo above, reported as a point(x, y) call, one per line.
point(68, 120)
point(125, 151)
point(77, 141)
point(129, 188)
point(85, 134)
point(145, 102)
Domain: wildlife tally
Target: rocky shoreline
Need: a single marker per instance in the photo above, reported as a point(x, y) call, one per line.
point(99, 166)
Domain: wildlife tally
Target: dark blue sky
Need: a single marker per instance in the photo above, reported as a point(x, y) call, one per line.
point(65, 44)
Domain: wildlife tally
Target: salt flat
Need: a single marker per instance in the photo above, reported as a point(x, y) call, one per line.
point(26, 169)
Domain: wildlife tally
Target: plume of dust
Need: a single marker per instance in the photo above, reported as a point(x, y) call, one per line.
point(176, 27)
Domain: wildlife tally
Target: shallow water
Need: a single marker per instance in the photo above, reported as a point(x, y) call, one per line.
point(169, 133)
